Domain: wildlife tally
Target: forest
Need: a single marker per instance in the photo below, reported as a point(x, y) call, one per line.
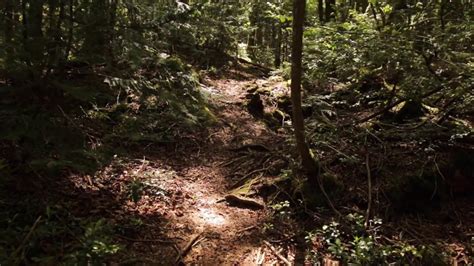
point(226, 132)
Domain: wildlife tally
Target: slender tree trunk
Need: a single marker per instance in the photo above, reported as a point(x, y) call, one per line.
point(308, 162)
point(321, 11)
point(35, 33)
point(111, 31)
point(330, 11)
point(278, 45)
point(25, 31)
point(70, 36)
point(8, 33)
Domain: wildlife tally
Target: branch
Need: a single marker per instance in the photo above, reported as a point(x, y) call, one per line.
point(277, 253)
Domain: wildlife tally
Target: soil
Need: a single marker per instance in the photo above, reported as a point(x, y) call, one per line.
point(168, 202)
point(195, 182)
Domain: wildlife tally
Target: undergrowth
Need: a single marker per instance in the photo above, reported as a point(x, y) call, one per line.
point(44, 143)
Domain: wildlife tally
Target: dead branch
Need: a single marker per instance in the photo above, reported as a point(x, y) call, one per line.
point(390, 106)
point(26, 239)
point(244, 202)
point(242, 179)
point(191, 243)
point(248, 228)
point(255, 147)
point(260, 257)
point(321, 186)
point(369, 181)
point(147, 240)
point(277, 253)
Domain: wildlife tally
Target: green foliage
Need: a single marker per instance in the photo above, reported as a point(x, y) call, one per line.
point(50, 242)
point(135, 190)
point(96, 244)
point(353, 242)
point(411, 59)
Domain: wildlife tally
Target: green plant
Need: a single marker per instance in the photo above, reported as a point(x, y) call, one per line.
point(135, 190)
point(353, 242)
point(96, 244)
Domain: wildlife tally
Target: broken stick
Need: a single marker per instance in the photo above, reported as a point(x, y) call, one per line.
point(277, 253)
point(192, 242)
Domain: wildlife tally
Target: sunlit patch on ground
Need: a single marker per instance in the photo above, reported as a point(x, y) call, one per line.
point(208, 216)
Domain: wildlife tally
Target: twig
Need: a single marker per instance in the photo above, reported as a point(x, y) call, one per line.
point(260, 257)
point(146, 240)
point(369, 181)
point(242, 179)
point(248, 147)
point(321, 186)
point(27, 237)
point(193, 241)
point(248, 228)
point(390, 106)
point(91, 138)
point(277, 253)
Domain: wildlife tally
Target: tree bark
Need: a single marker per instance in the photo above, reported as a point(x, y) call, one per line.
point(35, 33)
point(308, 162)
point(321, 11)
point(277, 45)
point(8, 33)
point(330, 12)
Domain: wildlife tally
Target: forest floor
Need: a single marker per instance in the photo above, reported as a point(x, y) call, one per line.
point(192, 182)
point(211, 196)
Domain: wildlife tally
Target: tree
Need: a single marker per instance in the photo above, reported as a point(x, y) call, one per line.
point(308, 162)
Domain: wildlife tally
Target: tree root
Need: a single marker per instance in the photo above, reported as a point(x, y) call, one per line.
point(238, 201)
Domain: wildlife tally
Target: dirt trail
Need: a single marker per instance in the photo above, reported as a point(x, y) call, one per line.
point(201, 179)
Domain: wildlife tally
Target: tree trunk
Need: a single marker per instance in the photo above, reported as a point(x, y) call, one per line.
point(8, 33)
point(321, 11)
point(308, 162)
point(330, 11)
point(70, 37)
point(277, 45)
point(35, 33)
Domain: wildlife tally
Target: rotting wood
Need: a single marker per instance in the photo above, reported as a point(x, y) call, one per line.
point(237, 201)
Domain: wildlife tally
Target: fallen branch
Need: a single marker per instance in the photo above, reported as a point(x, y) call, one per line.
point(277, 253)
point(264, 68)
point(246, 229)
point(321, 186)
point(255, 147)
point(242, 179)
point(390, 106)
point(260, 257)
point(147, 240)
point(244, 202)
point(26, 239)
point(192, 242)
point(369, 180)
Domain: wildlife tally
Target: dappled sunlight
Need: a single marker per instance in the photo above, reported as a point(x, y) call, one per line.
point(209, 217)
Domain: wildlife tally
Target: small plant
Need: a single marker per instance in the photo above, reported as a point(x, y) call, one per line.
point(282, 209)
point(96, 244)
point(135, 190)
point(353, 242)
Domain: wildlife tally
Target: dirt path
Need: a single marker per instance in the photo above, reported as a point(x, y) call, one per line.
point(194, 184)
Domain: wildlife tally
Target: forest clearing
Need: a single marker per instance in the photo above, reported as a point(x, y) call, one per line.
point(278, 132)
